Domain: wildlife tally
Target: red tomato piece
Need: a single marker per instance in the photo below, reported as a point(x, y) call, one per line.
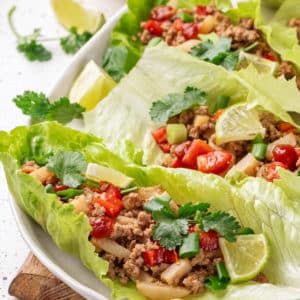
point(60, 187)
point(111, 204)
point(102, 227)
point(181, 149)
point(209, 240)
point(201, 10)
point(178, 25)
point(269, 56)
point(214, 162)
point(160, 135)
point(285, 154)
point(165, 147)
point(190, 31)
point(177, 163)
point(271, 170)
point(153, 257)
point(286, 127)
point(218, 113)
point(197, 148)
point(162, 13)
point(153, 27)
point(169, 256)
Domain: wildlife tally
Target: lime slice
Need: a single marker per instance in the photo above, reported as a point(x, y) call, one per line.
point(246, 257)
point(85, 15)
point(98, 173)
point(262, 65)
point(238, 123)
point(91, 86)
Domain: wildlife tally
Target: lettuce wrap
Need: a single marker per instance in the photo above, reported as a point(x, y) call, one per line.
point(258, 204)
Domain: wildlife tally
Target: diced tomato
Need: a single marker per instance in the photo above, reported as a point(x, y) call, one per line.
point(190, 30)
point(161, 255)
point(269, 56)
point(154, 27)
point(285, 154)
point(162, 13)
point(197, 148)
point(215, 162)
point(60, 187)
point(271, 170)
point(177, 163)
point(181, 149)
point(286, 127)
point(178, 25)
point(111, 202)
point(160, 135)
point(166, 147)
point(114, 192)
point(201, 10)
point(209, 240)
point(218, 113)
point(102, 227)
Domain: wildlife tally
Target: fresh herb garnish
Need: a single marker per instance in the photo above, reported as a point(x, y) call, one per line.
point(33, 49)
point(217, 52)
point(173, 104)
point(68, 166)
point(159, 206)
point(188, 210)
point(69, 193)
point(74, 41)
point(39, 107)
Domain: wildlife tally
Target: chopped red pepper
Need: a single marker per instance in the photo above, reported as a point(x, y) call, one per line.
point(160, 135)
point(102, 227)
point(285, 154)
point(209, 240)
point(269, 56)
point(181, 149)
point(60, 187)
point(112, 205)
point(271, 170)
point(161, 255)
point(166, 147)
point(153, 27)
point(177, 163)
point(215, 162)
point(201, 10)
point(286, 127)
point(190, 30)
point(162, 13)
point(218, 113)
point(169, 256)
point(297, 149)
point(197, 148)
point(178, 25)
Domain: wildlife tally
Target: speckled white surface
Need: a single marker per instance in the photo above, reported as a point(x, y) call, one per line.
point(17, 75)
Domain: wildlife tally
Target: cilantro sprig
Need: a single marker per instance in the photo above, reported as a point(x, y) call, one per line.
point(173, 104)
point(33, 49)
point(38, 106)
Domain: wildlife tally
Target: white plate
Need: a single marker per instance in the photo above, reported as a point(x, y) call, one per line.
point(66, 267)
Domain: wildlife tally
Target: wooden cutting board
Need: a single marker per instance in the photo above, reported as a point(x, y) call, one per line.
point(35, 282)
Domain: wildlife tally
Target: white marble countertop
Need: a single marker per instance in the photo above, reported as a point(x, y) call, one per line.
point(17, 75)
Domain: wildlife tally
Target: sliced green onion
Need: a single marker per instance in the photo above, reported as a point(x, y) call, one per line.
point(49, 189)
point(186, 17)
point(190, 246)
point(246, 230)
point(259, 150)
point(129, 190)
point(214, 283)
point(222, 102)
point(298, 173)
point(155, 41)
point(222, 272)
point(258, 139)
point(250, 47)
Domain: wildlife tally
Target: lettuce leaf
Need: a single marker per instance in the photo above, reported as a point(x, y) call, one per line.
point(124, 114)
point(257, 203)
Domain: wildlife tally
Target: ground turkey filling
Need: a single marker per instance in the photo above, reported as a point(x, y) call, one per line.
point(200, 125)
point(124, 237)
point(166, 23)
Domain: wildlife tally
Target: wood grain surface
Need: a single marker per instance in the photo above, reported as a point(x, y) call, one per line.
point(35, 282)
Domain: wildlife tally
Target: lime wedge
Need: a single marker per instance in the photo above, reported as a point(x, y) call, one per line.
point(85, 15)
point(238, 123)
point(246, 257)
point(91, 86)
point(98, 173)
point(262, 65)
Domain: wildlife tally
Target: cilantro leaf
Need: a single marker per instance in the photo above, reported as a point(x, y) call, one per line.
point(214, 283)
point(190, 209)
point(34, 51)
point(173, 104)
point(159, 206)
point(39, 107)
point(217, 52)
point(64, 112)
point(222, 222)
point(33, 104)
point(69, 193)
point(74, 41)
point(170, 232)
point(68, 166)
